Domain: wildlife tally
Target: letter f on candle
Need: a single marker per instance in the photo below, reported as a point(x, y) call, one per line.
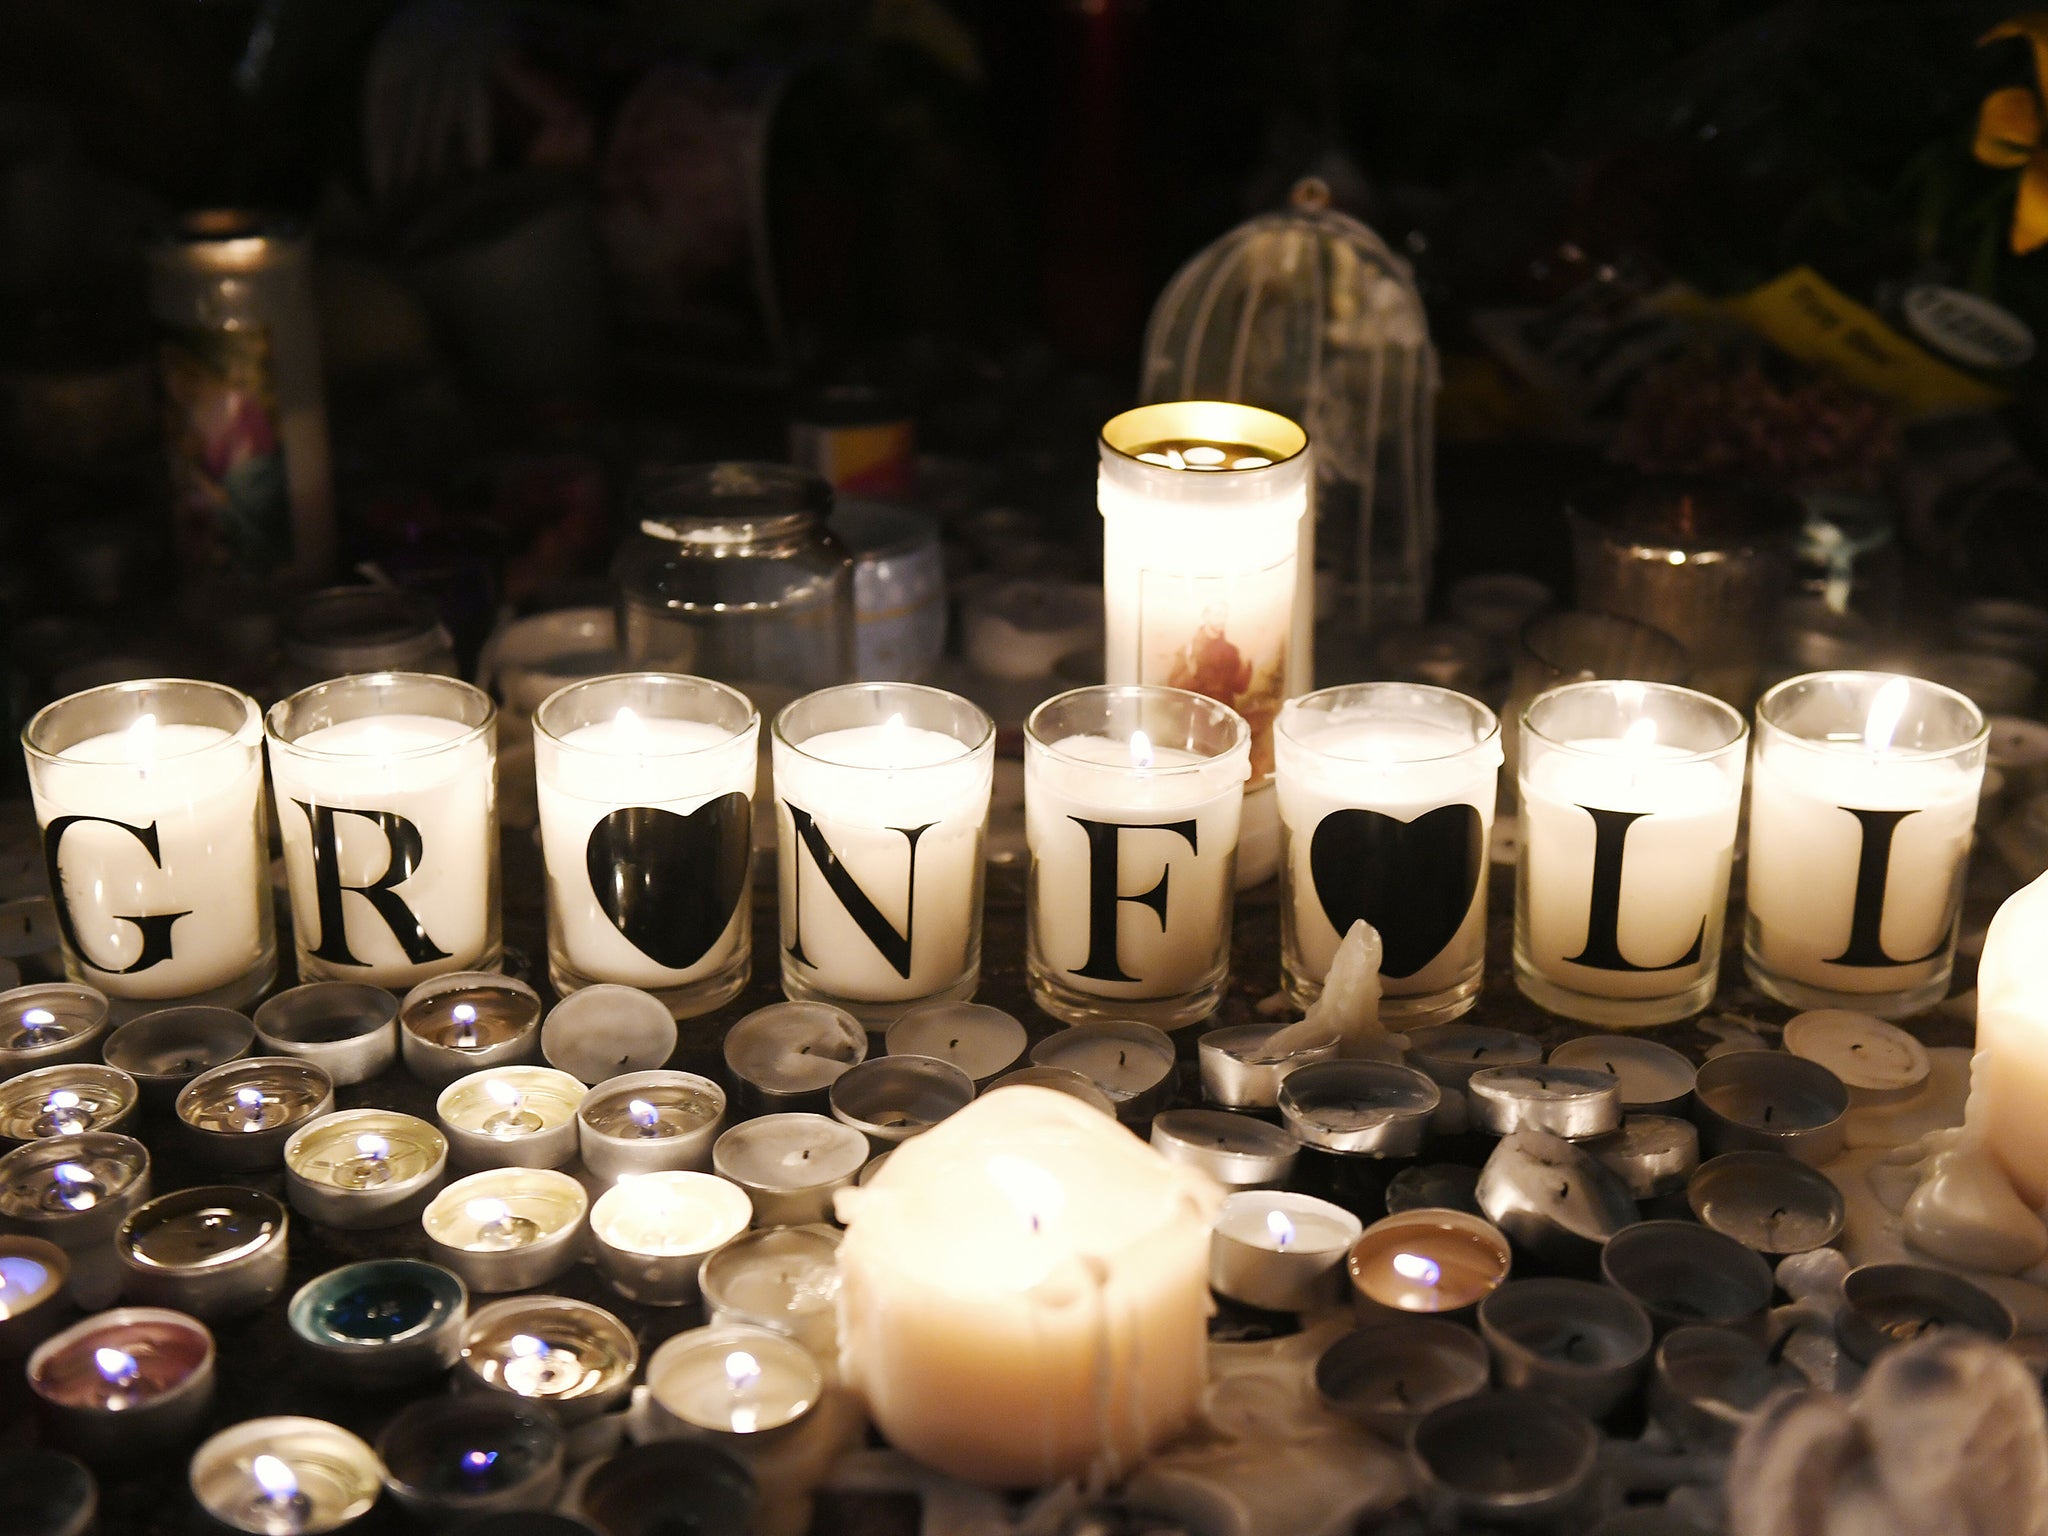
point(1105, 857)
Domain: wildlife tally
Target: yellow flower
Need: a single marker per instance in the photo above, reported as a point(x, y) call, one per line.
point(2009, 132)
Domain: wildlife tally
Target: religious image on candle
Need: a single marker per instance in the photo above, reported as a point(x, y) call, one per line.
point(387, 798)
point(1862, 810)
point(646, 787)
point(150, 799)
point(881, 804)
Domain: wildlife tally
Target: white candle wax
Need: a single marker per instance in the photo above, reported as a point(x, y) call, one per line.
point(202, 809)
point(2009, 1076)
point(903, 812)
point(447, 797)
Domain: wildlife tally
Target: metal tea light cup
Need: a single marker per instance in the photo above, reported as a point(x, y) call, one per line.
point(510, 1117)
point(1236, 1151)
point(507, 1229)
point(66, 1101)
point(1555, 1198)
point(1771, 1101)
point(293, 1473)
point(1518, 1457)
point(1582, 1343)
point(124, 1383)
point(1239, 1071)
point(1767, 1201)
point(465, 1021)
point(380, 1323)
point(1652, 1155)
point(347, 1029)
point(165, 1049)
point(33, 1274)
point(363, 1169)
point(1387, 1375)
point(50, 1023)
point(1577, 1103)
point(214, 1251)
point(1132, 1062)
point(1359, 1108)
point(650, 1122)
point(890, 1099)
point(567, 1356)
point(1681, 1273)
point(790, 1165)
point(1887, 1304)
point(447, 1459)
point(240, 1116)
point(785, 1057)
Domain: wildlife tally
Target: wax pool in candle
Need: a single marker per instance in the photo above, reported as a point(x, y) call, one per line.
point(734, 1380)
point(1429, 1261)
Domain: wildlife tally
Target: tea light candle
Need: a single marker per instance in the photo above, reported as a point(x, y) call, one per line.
point(981, 1041)
point(643, 1490)
point(66, 1101)
point(1680, 1272)
point(881, 813)
point(787, 1055)
point(1577, 1103)
point(1877, 1062)
point(1860, 822)
point(651, 1232)
point(347, 1029)
point(1557, 1200)
point(1387, 1375)
point(1075, 1085)
point(1359, 1108)
point(1241, 1071)
point(1518, 1456)
point(1438, 1262)
point(1767, 1201)
point(1581, 1343)
point(1706, 1385)
point(1771, 1101)
point(447, 1459)
point(510, 1117)
point(1654, 1078)
point(1450, 1053)
point(32, 1276)
point(1887, 1304)
point(285, 1476)
point(790, 1165)
point(1652, 1155)
point(1236, 1151)
point(1448, 1186)
point(507, 1229)
point(124, 1383)
point(241, 1115)
point(387, 798)
point(890, 1099)
point(781, 1278)
point(214, 1251)
point(363, 1169)
point(50, 1024)
point(605, 1030)
point(1131, 1062)
point(1279, 1251)
point(732, 1380)
point(461, 1023)
point(165, 1049)
point(650, 1122)
point(381, 1323)
point(76, 1191)
point(565, 1355)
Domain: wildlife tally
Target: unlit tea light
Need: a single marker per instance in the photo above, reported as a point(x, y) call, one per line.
point(890, 1099)
point(1877, 1062)
point(165, 1049)
point(1132, 1063)
point(605, 1031)
point(1767, 1201)
point(347, 1029)
point(787, 1055)
point(1654, 1078)
point(1574, 1102)
point(782, 1278)
point(981, 1041)
point(790, 1165)
point(1237, 1151)
point(1771, 1101)
point(1242, 1070)
point(1387, 1375)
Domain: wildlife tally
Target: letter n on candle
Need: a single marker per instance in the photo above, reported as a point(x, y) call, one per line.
point(894, 947)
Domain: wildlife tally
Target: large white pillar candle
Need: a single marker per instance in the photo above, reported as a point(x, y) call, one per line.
point(1208, 569)
point(2009, 1077)
point(1386, 805)
point(1024, 1293)
point(646, 785)
point(150, 799)
point(881, 812)
point(1630, 795)
point(387, 797)
point(1863, 797)
point(1131, 805)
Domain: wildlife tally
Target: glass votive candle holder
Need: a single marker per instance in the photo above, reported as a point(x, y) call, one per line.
point(890, 1099)
point(651, 1231)
point(49, 1024)
point(1436, 1262)
point(646, 822)
point(1130, 1061)
point(66, 1101)
point(881, 813)
point(649, 1122)
point(1131, 790)
point(363, 1169)
point(510, 1117)
point(785, 1279)
point(124, 1383)
point(605, 1029)
point(981, 1041)
point(150, 799)
point(165, 1049)
point(348, 1029)
point(1280, 1251)
point(285, 1476)
point(214, 1251)
point(32, 1277)
point(465, 1021)
point(507, 1229)
point(727, 1380)
point(1862, 808)
point(380, 1323)
point(1237, 1151)
point(1630, 795)
point(386, 789)
point(241, 1115)
point(790, 1165)
point(568, 1356)
point(786, 1056)
point(1386, 806)
point(447, 1459)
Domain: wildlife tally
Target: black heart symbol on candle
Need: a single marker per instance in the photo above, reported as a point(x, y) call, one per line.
point(669, 883)
point(1412, 880)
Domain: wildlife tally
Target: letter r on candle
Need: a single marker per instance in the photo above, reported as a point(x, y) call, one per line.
point(1105, 857)
point(407, 850)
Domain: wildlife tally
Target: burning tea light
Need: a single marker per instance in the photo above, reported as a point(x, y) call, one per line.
point(448, 1459)
point(1236, 1151)
point(1279, 1251)
point(66, 1101)
point(241, 1115)
point(363, 1168)
point(569, 1356)
point(75, 1192)
point(1388, 1375)
point(465, 1021)
point(790, 1165)
point(1359, 1108)
point(285, 1477)
point(1877, 1062)
point(347, 1029)
point(164, 1050)
point(1654, 1078)
point(125, 1382)
point(32, 1276)
point(651, 1232)
point(787, 1056)
point(1573, 1102)
point(507, 1229)
point(650, 1122)
point(981, 1041)
point(1581, 1343)
point(49, 1024)
point(510, 1117)
point(727, 1380)
point(381, 1323)
point(1435, 1262)
point(1241, 1070)
point(1771, 1101)
point(1132, 1063)
point(1768, 1202)
point(215, 1251)
point(605, 1030)
point(890, 1099)
point(781, 1278)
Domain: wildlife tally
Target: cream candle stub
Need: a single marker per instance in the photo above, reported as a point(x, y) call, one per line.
point(1876, 1061)
point(790, 1165)
point(1654, 1078)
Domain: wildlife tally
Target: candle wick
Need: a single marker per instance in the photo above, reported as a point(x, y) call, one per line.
point(1778, 1215)
point(1768, 1110)
point(1564, 1191)
point(1855, 1045)
point(1120, 1058)
point(953, 1044)
point(807, 1154)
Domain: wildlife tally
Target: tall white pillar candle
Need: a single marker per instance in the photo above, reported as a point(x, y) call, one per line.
point(1132, 798)
point(387, 797)
point(2009, 1077)
point(1630, 796)
point(1386, 806)
point(150, 799)
point(646, 785)
point(1863, 800)
point(881, 810)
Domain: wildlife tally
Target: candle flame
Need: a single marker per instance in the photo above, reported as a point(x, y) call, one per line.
point(373, 1147)
point(117, 1365)
point(61, 1098)
point(644, 1114)
point(463, 1013)
point(502, 1093)
point(38, 1018)
point(1141, 750)
point(1417, 1267)
point(142, 742)
point(742, 1370)
point(277, 1480)
point(1280, 1229)
point(249, 1098)
point(1035, 1193)
point(71, 1179)
point(1886, 710)
point(477, 1463)
point(1640, 734)
point(488, 1212)
point(525, 1346)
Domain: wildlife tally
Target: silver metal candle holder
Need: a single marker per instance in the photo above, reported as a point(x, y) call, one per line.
point(785, 1057)
point(364, 1168)
point(1240, 1069)
point(1519, 1457)
point(1655, 1079)
point(890, 1099)
point(285, 1474)
point(241, 1115)
point(1582, 1343)
point(381, 1323)
point(1680, 1272)
point(1554, 1198)
point(1767, 1201)
point(165, 1049)
point(66, 1101)
point(450, 1459)
point(49, 1024)
point(650, 1122)
point(568, 1356)
point(465, 1021)
point(1577, 1103)
point(1131, 1062)
point(602, 1031)
point(507, 1229)
point(124, 1383)
point(1652, 1155)
point(790, 1165)
point(347, 1029)
point(1236, 1151)
point(1387, 1375)
point(981, 1041)
point(510, 1117)
point(1359, 1108)
point(214, 1251)
point(1771, 1101)
point(32, 1302)
point(1887, 1304)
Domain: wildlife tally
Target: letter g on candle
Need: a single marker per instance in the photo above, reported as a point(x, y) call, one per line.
point(155, 927)
point(1105, 855)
